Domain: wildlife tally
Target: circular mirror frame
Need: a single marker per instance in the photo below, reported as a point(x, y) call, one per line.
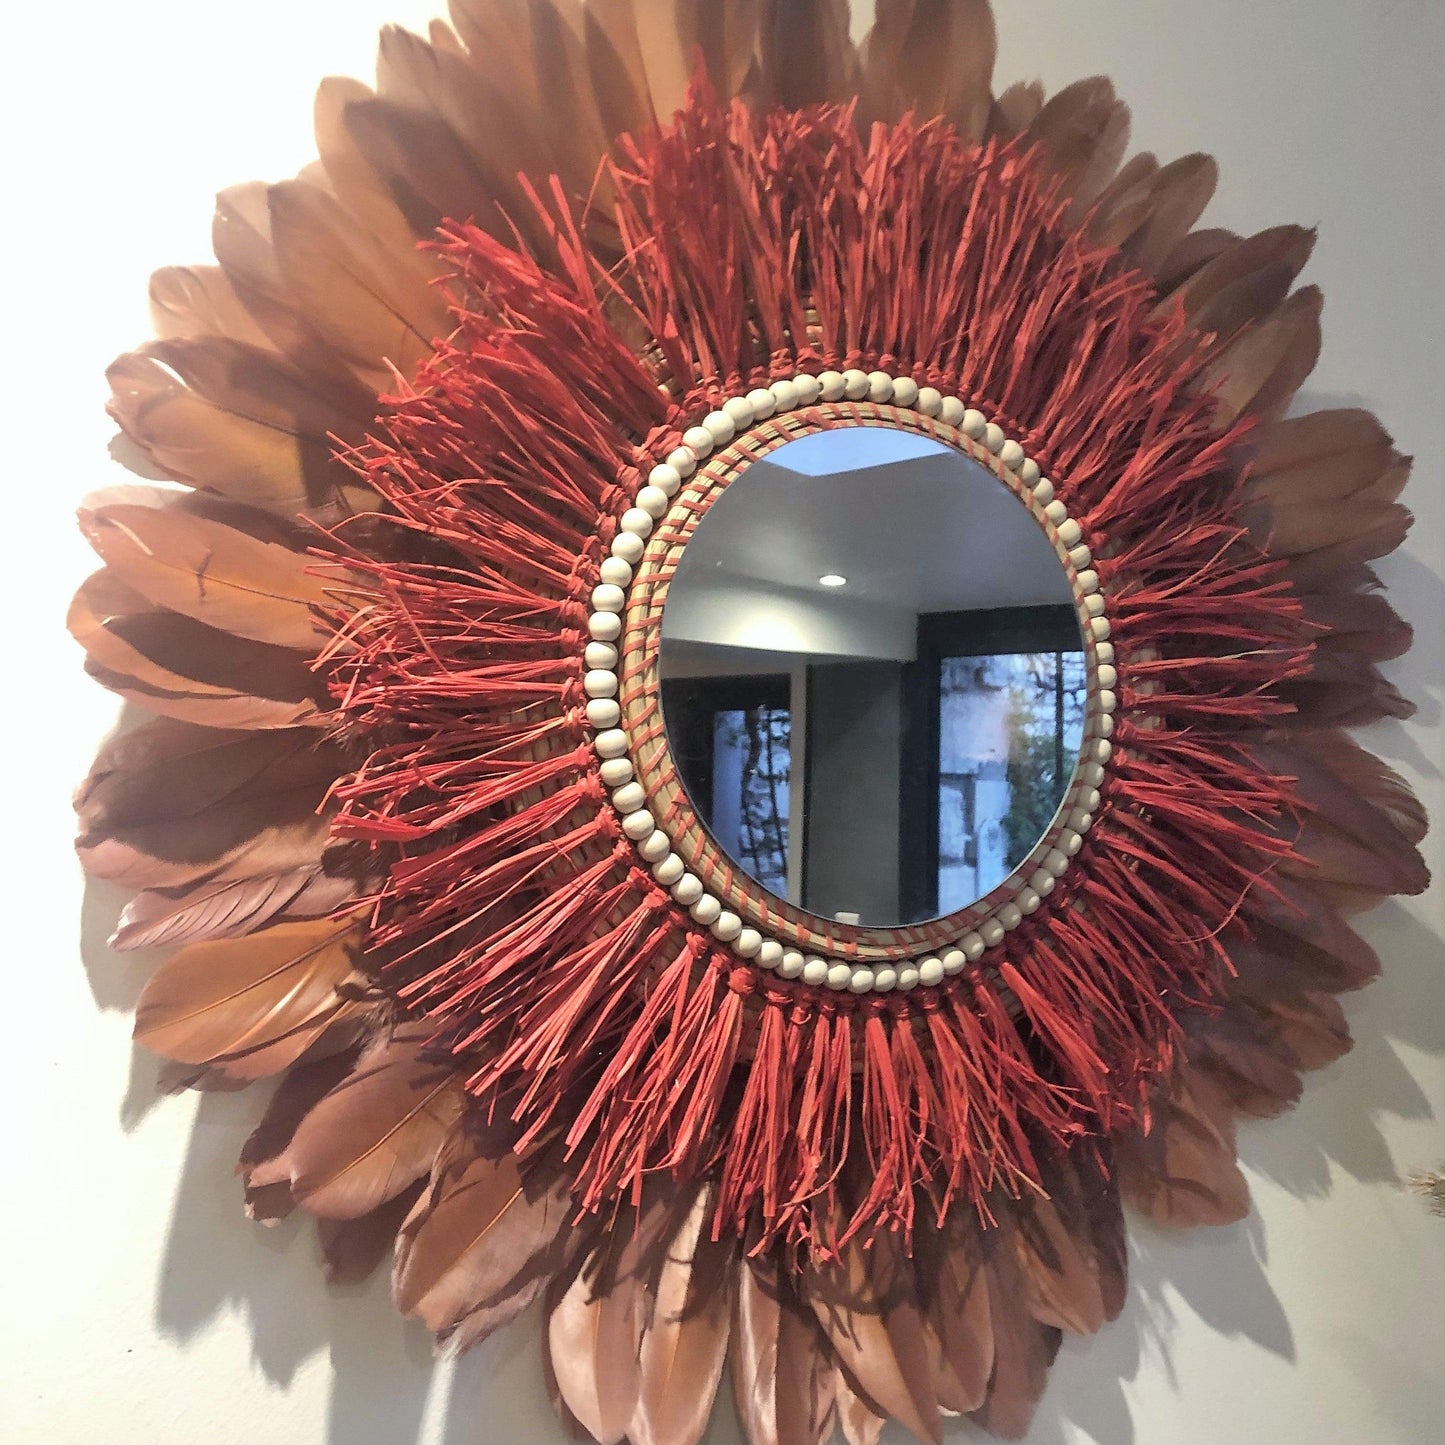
point(621, 680)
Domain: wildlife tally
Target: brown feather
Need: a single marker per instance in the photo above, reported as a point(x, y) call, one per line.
point(1015, 109)
point(482, 1239)
point(932, 57)
point(1343, 689)
point(1196, 250)
point(194, 301)
point(950, 1265)
point(1231, 1047)
point(351, 1249)
point(684, 1344)
point(1259, 371)
point(215, 574)
point(1177, 196)
point(1218, 296)
point(867, 1305)
point(806, 53)
point(1183, 1172)
point(784, 1383)
point(859, 1422)
point(1082, 133)
point(250, 1006)
point(374, 1134)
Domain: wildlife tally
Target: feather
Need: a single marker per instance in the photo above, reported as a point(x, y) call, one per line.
point(1016, 109)
point(215, 574)
point(260, 459)
point(1082, 133)
point(1177, 196)
point(1023, 1348)
point(867, 1305)
point(192, 797)
point(806, 53)
point(1343, 689)
point(1243, 281)
point(1364, 623)
point(482, 1239)
point(1196, 250)
point(1183, 1172)
point(685, 1341)
point(1054, 1240)
point(951, 1273)
point(227, 908)
point(1362, 773)
point(595, 1327)
point(1259, 371)
point(351, 1249)
point(250, 1006)
point(194, 301)
point(374, 1134)
point(193, 670)
point(784, 1383)
point(859, 1422)
point(932, 57)
point(1235, 1051)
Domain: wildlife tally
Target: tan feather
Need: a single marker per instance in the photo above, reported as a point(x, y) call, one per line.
point(351, 1249)
point(950, 1264)
point(375, 1133)
point(806, 53)
point(859, 1422)
point(867, 1305)
point(1195, 251)
point(1054, 1241)
point(1082, 133)
point(216, 574)
point(193, 301)
point(684, 1344)
point(483, 1238)
point(1125, 203)
point(595, 1328)
point(1177, 196)
point(1183, 1172)
point(184, 670)
point(933, 57)
point(1015, 109)
point(784, 1383)
point(1236, 1052)
point(1260, 370)
point(252, 1005)
point(1244, 281)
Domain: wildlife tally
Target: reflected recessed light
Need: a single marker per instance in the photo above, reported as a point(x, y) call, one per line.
point(832, 579)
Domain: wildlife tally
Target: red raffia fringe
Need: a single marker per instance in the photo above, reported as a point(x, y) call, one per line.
point(584, 1000)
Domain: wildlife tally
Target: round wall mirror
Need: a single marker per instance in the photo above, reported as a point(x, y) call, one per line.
point(872, 676)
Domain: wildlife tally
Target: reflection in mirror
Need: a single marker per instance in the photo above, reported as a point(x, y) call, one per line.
point(872, 676)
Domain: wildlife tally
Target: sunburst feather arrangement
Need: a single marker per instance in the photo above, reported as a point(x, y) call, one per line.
point(443, 413)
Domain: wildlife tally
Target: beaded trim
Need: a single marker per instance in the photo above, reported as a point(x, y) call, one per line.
point(1025, 888)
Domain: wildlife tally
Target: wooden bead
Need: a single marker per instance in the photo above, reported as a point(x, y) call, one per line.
point(1104, 652)
point(880, 387)
point(855, 384)
point(726, 927)
point(791, 964)
point(706, 910)
point(719, 426)
point(1107, 675)
point(638, 825)
point(655, 847)
point(930, 400)
point(1093, 603)
point(615, 571)
point(1103, 750)
point(975, 424)
point(603, 712)
point(1043, 491)
point(991, 931)
point(1011, 454)
point(831, 385)
point(1107, 700)
point(953, 961)
point(1080, 556)
point(1080, 820)
point(1056, 512)
point(1010, 915)
point(885, 979)
point(908, 977)
point(611, 744)
point(600, 654)
point(952, 411)
point(1087, 581)
point(1104, 725)
point(1027, 900)
point(973, 946)
point(840, 975)
point(688, 889)
point(628, 547)
point(600, 682)
point(741, 412)
point(629, 797)
point(699, 438)
point(1090, 799)
point(683, 460)
point(666, 478)
point(608, 597)
point(668, 870)
point(994, 437)
point(1070, 841)
point(1029, 472)
point(930, 971)
point(605, 626)
point(616, 771)
point(636, 521)
point(653, 501)
point(1042, 882)
point(748, 943)
point(784, 394)
point(860, 980)
point(810, 388)
point(815, 970)
point(1056, 862)
point(905, 391)
point(763, 403)
point(1070, 532)
point(1091, 774)
point(1099, 627)
point(770, 954)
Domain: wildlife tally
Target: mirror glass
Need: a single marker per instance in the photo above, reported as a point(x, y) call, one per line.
point(872, 676)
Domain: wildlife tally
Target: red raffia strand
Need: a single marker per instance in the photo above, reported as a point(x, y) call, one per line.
point(584, 1001)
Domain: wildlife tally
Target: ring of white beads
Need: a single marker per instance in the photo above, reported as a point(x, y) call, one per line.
point(1039, 874)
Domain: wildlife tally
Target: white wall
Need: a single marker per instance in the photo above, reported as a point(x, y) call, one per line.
point(140, 1306)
